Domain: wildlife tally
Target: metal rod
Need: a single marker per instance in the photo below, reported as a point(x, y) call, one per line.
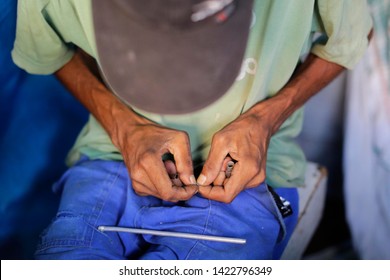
point(174, 234)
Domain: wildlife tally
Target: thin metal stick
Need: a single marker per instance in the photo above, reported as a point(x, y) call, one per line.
point(173, 234)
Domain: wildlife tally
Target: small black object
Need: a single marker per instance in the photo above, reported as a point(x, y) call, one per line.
point(283, 205)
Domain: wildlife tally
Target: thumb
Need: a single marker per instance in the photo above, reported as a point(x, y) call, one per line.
point(212, 167)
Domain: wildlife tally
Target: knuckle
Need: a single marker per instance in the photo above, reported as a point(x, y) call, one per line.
point(261, 178)
point(254, 167)
point(207, 167)
point(254, 183)
point(257, 179)
point(138, 189)
point(228, 199)
point(166, 195)
point(136, 174)
point(139, 192)
point(148, 155)
point(182, 136)
point(218, 138)
point(187, 196)
point(228, 196)
point(147, 158)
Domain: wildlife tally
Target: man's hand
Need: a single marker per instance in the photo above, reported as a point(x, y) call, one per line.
point(244, 140)
point(140, 141)
point(143, 147)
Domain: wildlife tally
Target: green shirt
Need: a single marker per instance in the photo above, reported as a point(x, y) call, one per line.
point(282, 33)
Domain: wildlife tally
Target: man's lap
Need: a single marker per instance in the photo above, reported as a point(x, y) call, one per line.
point(98, 193)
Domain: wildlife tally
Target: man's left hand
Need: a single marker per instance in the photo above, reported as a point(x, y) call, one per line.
point(245, 141)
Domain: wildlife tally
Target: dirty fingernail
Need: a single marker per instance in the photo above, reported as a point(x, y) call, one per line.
point(193, 180)
point(201, 179)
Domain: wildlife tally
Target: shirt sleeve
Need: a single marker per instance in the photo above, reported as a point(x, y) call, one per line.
point(38, 48)
point(347, 24)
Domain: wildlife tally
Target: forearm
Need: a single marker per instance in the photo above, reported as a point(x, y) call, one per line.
point(246, 139)
point(141, 142)
point(312, 76)
point(79, 77)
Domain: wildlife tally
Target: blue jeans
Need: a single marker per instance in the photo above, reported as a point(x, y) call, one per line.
point(98, 192)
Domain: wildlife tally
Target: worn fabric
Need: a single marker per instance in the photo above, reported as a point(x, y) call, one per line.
point(281, 34)
point(99, 192)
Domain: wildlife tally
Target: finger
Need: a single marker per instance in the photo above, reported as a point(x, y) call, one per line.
point(257, 180)
point(158, 176)
point(170, 167)
point(220, 179)
point(213, 164)
point(172, 173)
point(260, 174)
point(183, 160)
point(243, 174)
point(142, 181)
point(218, 193)
point(233, 186)
point(190, 189)
point(176, 181)
point(186, 191)
point(143, 189)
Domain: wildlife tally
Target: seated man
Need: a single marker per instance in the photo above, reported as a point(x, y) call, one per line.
point(185, 86)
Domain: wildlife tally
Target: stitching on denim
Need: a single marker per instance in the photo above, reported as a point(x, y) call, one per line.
point(87, 236)
point(108, 182)
point(204, 229)
point(62, 242)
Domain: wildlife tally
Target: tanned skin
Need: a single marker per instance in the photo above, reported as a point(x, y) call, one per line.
point(143, 142)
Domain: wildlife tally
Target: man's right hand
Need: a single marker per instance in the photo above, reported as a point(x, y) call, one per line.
point(143, 146)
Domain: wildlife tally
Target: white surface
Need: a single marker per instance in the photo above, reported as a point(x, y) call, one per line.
point(312, 202)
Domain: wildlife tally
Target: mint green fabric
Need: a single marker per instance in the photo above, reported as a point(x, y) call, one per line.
point(282, 33)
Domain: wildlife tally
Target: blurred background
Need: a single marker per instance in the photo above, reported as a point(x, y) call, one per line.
point(346, 129)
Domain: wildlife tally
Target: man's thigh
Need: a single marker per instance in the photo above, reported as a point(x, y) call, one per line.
point(93, 193)
point(249, 216)
point(96, 193)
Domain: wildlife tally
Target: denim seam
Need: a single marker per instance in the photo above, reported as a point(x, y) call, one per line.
point(100, 205)
point(204, 230)
point(90, 221)
point(66, 242)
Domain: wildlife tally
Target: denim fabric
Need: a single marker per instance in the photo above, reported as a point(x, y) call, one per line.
point(96, 193)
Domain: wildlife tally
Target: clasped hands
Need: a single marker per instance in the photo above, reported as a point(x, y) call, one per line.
point(245, 141)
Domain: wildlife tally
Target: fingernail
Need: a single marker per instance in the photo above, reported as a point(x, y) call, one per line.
point(193, 180)
point(201, 179)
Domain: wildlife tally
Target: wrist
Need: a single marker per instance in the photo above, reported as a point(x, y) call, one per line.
point(120, 122)
point(275, 110)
